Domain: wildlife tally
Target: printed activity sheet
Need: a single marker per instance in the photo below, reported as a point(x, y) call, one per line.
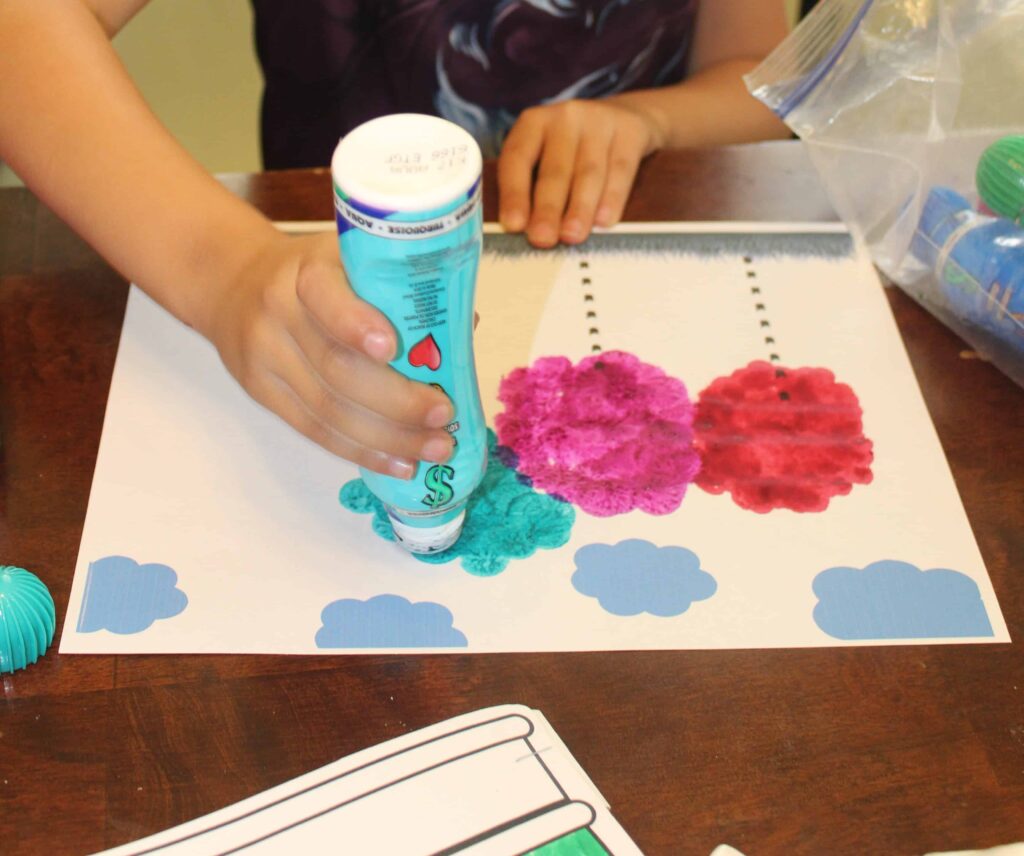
point(487, 783)
point(701, 436)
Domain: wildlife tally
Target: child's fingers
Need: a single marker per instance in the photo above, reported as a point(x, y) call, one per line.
point(324, 292)
point(624, 158)
point(302, 344)
point(349, 395)
point(588, 184)
point(332, 333)
point(355, 408)
point(345, 373)
point(554, 178)
point(278, 396)
point(519, 155)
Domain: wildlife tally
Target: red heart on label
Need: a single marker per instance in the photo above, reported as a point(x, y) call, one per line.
point(425, 353)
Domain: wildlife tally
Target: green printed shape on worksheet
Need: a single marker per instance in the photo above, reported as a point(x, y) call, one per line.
point(579, 843)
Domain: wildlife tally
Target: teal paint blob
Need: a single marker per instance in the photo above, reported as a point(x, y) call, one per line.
point(505, 519)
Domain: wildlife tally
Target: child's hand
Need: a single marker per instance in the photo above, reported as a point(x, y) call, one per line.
point(300, 342)
point(585, 154)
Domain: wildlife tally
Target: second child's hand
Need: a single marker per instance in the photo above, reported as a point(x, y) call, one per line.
point(585, 156)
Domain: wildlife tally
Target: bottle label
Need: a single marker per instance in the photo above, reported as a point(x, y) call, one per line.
point(375, 224)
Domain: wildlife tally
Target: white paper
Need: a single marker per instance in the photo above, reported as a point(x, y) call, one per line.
point(243, 514)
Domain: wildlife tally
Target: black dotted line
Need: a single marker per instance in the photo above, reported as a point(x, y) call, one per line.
point(588, 299)
point(761, 308)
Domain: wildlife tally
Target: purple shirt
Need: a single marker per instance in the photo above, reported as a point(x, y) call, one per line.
point(330, 65)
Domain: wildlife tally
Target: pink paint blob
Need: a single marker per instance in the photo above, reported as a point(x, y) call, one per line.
point(610, 435)
point(781, 438)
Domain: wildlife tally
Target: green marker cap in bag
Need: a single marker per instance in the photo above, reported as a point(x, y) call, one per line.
point(1000, 177)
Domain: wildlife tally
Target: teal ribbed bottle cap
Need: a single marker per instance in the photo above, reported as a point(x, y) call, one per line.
point(27, 618)
point(1000, 177)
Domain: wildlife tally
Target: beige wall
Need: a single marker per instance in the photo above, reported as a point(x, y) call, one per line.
point(792, 9)
point(195, 64)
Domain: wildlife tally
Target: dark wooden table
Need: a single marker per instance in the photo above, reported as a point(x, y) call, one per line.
point(857, 750)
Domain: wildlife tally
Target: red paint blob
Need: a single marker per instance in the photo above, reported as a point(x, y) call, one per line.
point(425, 353)
point(781, 438)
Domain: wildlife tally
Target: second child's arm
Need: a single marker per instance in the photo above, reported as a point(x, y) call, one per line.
point(585, 154)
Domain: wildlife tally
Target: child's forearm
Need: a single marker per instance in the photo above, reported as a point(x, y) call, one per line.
point(77, 131)
point(709, 108)
point(585, 154)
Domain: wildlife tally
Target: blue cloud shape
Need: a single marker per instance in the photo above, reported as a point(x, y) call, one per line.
point(897, 600)
point(387, 621)
point(635, 576)
point(123, 596)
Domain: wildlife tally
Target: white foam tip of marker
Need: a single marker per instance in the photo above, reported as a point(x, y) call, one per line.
point(428, 539)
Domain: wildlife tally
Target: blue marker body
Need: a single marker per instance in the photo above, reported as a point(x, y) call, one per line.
point(410, 230)
point(978, 262)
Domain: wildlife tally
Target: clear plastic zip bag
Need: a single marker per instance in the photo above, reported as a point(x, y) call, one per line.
point(896, 102)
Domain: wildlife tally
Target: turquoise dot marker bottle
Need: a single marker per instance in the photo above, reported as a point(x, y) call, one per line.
point(410, 230)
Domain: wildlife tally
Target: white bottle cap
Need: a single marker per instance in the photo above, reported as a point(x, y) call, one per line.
point(406, 162)
point(428, 539)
